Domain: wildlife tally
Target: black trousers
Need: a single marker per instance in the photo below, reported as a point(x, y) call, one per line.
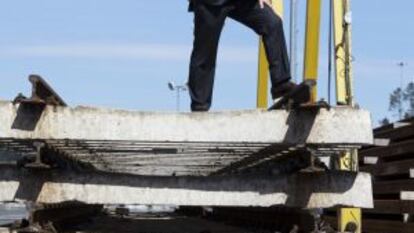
point(208, 24)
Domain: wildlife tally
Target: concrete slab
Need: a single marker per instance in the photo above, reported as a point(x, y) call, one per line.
point(382, 142)
point(304, 190)
point(370, 160)
point(336, 126)
point(407, 195)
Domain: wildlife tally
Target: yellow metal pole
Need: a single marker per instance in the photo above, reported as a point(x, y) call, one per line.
point(343, 46)
point(311, 63)
point(263, 69)
point(347, 217)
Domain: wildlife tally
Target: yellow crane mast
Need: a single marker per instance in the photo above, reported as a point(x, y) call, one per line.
point(349, 219)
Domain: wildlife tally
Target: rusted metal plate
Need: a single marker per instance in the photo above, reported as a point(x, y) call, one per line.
point(140, 158)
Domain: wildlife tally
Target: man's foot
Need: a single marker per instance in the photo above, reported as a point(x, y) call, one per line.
point(295, 96)
point(283, 89)
point(199, 108)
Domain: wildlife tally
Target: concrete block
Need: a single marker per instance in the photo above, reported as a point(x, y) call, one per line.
point(304, 190)
point(341, 125)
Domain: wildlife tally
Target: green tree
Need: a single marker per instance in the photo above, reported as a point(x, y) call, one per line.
point(402, 101)
point(384, 121)
point(409, 98)
point(397, 102)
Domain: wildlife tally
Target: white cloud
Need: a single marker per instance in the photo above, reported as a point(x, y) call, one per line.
point(168, 52)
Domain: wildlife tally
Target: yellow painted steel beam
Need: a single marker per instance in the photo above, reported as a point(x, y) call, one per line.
point(350, 216)
point(263, 69)
point(311, 63)
point(343, 56)
point(347, 217)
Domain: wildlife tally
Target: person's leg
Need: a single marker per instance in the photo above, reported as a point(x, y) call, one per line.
point(208, 24)
point(269, 25)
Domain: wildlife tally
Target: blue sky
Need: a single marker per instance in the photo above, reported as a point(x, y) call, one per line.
point(122, 54)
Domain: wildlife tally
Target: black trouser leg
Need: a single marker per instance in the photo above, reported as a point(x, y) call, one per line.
point(269, 25)
point(208, 24)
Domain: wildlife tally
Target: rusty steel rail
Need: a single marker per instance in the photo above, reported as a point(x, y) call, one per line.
point(42, 93)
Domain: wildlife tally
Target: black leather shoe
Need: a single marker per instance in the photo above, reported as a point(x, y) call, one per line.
point(199, 108)
point(283, 89)
point(294, 96)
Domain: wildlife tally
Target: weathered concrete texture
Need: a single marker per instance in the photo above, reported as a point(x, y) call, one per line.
point(335, 126)
point(305, 190)
point(407, 195)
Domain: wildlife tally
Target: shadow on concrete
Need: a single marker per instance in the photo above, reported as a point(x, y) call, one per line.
point(298, 131)
point(28, 115)
point(299, 187)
